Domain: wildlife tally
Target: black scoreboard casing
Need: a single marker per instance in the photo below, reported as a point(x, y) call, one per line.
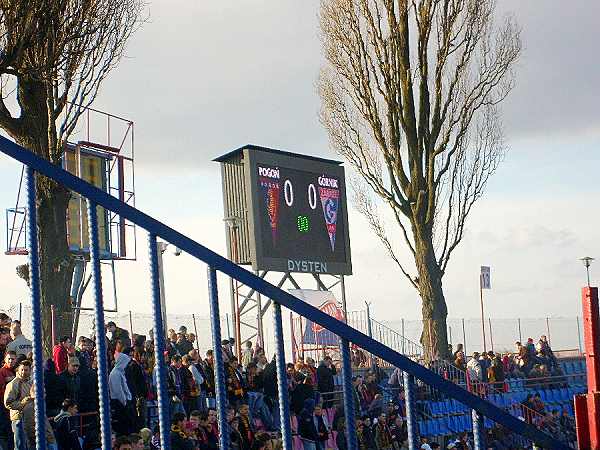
point(288, 193)
point(291, 208)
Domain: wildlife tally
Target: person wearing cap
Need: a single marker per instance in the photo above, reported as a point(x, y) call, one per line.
point(70, 380)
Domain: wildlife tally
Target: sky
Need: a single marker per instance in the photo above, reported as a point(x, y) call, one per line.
point(202, 78)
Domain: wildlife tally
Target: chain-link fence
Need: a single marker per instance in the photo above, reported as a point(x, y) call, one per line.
point(564, 333)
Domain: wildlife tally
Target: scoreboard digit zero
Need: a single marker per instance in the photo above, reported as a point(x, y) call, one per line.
point(297, 215)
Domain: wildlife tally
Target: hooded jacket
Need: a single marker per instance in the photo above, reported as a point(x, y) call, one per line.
point(117, 383)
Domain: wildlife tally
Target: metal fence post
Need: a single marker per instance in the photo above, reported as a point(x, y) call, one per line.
point(491, 333)
point(220, 385)
point(370, 331)
point(103, 394)
point(403, 339)
point(282, 382)
point(164, 407)
point(411, 416)
point(464, 337)
point(478, 438)
point(36, 313)
point(349, 412)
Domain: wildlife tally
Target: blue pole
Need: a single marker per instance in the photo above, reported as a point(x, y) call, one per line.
point(164, 415)
point(215, 324)
point(411, 417)
point(36, 313)
point(103, 397)
point(349, 412)
point(282, 382)
point(478, 441)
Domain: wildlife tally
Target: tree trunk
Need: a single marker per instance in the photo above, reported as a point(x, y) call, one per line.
point(56, 264)
point(434, 337)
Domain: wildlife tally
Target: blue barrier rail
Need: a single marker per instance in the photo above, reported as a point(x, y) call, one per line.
point(216, 263)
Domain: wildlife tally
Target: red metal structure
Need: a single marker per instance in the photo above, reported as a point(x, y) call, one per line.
point(587, 406)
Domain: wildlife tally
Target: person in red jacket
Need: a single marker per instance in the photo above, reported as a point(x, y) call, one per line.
point(60, 354)
point(7, 373)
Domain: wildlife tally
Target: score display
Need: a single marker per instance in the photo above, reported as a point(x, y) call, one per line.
point(299, 217)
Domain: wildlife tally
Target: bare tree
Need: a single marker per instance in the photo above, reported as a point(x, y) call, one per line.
point(410, 97)
point(55, 56)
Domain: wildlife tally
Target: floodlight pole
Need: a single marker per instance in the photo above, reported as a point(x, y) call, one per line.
point(482, 315)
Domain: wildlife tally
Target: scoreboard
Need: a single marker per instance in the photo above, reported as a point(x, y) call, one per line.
point(297, 212)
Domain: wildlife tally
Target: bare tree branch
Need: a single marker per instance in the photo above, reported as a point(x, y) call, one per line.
point(410, 97)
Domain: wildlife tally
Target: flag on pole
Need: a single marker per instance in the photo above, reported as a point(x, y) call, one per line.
point(485, 278)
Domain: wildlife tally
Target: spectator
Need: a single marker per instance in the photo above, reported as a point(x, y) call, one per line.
point(246, 427)
point(53, 388)
point(227, 345)
point(20, 344)
point(66, 435)
point(178, 437)
point(196, 380)
point(302, 392)
point(530, 347)
point(209, 373)
point(340, 439)
point(18, 396)
point(399, 432)
point(182, 344)
point(122, 443)
point(306, 426)
point(120, 397)
point(325, 379)
point(4, 339)
point(60, 354)
point(179, 384)
point(7, 373)
point(137, 443)
point(383, 436)
point(484, 362)
point(323, 428)
point(117, 335)
point(312, 370)
point(18, 399)
point(136, 382)
point(496, 374)
point(235, 382)
point(70, 381)
point(83, 351)
point(248, 355)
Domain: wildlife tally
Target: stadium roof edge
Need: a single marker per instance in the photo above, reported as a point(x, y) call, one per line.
point(230, 154)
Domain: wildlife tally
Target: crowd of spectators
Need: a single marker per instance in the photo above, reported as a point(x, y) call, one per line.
point(529, 361)
point(71, 396)
point(317, 415)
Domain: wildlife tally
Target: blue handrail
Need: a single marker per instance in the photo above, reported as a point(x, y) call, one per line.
point(218, 262)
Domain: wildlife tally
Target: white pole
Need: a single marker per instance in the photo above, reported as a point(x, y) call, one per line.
point(160, 249)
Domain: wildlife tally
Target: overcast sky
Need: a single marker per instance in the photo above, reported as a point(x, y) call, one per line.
point(202, 78)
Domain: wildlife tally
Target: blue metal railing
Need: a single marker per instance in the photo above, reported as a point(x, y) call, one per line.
point(215, 262)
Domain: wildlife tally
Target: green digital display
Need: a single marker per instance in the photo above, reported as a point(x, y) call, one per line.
point(303, 224)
